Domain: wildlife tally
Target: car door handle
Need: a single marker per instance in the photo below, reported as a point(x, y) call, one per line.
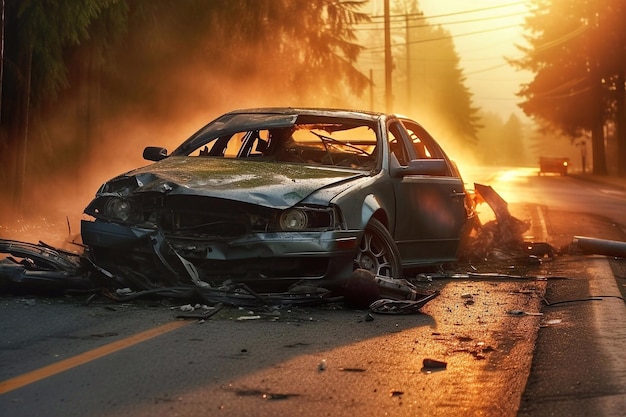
point(456, 194)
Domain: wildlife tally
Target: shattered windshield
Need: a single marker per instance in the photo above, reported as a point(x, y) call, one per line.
point(312, 141)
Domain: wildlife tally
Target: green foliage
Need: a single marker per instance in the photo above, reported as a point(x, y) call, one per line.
point(559, 54)
point(303, 51)
point(577, 50)
point(46, 29)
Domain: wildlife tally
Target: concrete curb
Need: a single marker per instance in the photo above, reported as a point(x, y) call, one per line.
point(614, 182)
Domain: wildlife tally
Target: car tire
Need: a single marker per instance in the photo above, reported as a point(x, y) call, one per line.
point(378, 252)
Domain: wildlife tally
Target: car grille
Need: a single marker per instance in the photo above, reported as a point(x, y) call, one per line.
point(193, 217)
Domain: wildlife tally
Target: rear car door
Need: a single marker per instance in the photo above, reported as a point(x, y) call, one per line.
point(430, 209)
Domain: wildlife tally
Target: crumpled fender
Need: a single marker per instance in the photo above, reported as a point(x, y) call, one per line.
point(370, 206)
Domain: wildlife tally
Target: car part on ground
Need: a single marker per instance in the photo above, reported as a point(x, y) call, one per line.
point(41, 268)
point(502, 238)
point(595, 246)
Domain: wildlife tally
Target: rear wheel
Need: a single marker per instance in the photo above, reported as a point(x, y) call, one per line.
point(378, 252)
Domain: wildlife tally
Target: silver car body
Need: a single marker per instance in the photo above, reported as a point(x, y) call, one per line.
point(284, 194)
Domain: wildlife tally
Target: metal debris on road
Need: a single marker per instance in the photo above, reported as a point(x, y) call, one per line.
point(385, 295)
point(388, 306)
point(522, 313)
point(473, 276)
point(433, 365)
point(501, 239)
point(593, 246)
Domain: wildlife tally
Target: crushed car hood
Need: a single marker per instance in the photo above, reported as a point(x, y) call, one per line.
point(268, 184)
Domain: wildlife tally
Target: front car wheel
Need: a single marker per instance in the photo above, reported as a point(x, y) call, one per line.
point(378, 252)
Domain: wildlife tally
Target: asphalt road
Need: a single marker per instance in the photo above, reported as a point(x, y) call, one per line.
point(60, 357)
point(579, 364)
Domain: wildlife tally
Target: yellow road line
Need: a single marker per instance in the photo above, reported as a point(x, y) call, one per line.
point(64, 365)
point(542, 223)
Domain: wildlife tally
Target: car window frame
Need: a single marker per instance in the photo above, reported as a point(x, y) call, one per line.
point(401, 139)
point(429, 141)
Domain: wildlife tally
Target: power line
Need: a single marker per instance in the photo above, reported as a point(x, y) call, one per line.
point(439, 38)
point(402, 16)
point(562, 39)
point(427, 60)
point(513, 98)
point(486, 69)
point(402, 24)
point(571, 94)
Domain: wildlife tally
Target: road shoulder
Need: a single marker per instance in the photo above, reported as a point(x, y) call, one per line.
point(579, 367)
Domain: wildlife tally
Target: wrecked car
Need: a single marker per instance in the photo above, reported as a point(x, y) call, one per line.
point(283, 194)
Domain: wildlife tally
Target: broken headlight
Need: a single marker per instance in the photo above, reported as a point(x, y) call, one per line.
point(118, 209)
point(293, 219)
point(306, 218)
point(114, 208)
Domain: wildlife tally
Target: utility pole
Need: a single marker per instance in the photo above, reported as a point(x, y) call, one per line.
point(408, 60)
point(2, 30)
point(388, 62)
point(371, 80)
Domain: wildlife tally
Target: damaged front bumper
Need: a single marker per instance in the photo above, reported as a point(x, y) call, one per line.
point(313, 255)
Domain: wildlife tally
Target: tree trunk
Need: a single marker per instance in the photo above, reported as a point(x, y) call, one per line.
point(22, 137)
point(88, 110)
point(1, 52)
point(597, 143)
point(620, 123)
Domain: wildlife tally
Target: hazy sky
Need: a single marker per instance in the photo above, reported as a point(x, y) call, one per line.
point(485, 31)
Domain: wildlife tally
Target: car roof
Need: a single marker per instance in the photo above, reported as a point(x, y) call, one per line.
point(313, 111)
point(274, 117)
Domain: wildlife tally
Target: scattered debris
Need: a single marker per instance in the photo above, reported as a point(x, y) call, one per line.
point(429, 365)
point(361, 289)
point(522, 313)
point(551, 322)
point(322, 365)
point(42, 269)
point(468, 299)
point(39, 268)
point(264, 395)
point(594, 298)
point(204, 315)
point(243, 318)
point(501, 239)
point(384, 295)
point(473, 276)
point(387, 306)
point(352, 369)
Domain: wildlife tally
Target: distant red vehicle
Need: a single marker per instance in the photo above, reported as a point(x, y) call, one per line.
point(554, 165)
